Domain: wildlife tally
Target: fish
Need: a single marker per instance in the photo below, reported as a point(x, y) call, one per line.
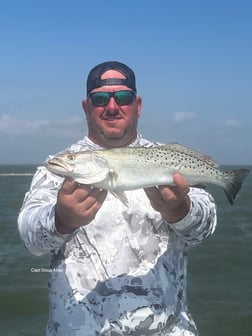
point(129, 168)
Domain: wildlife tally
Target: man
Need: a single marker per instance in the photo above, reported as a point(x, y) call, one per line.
point(116, 269)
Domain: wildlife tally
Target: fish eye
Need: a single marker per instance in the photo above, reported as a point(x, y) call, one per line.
point(71, 157)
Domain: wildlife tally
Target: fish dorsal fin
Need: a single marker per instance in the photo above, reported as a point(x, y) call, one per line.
point(189, 151)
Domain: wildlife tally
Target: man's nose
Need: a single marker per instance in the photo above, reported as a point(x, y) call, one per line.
point(112, 105)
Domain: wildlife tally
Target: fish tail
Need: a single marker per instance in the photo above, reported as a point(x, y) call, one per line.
point(234, 183)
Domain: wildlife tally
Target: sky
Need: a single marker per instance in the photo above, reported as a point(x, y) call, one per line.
point(192, 60)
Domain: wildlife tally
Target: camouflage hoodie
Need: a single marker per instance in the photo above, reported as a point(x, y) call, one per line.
point(125, 272)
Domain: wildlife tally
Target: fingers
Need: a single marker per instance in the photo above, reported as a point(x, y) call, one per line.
point(89, 206)
point(90, 198)
point(77, 205)
point(68, 186)
point(175, 193)
point(155, 198)
point(82, 191)
point(181, 184)
point(152, 192)
point(172, 202)
point(78, 191)
point(169, 193)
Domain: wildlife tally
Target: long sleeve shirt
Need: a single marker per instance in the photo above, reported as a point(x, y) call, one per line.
point(125, 272)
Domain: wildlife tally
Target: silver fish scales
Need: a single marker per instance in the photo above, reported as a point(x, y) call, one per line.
point(130, 168)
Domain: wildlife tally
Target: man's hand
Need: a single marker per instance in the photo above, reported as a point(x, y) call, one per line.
point(172, 202)
point(77, 205)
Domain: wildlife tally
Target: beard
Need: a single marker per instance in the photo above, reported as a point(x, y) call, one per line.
point(113, 135)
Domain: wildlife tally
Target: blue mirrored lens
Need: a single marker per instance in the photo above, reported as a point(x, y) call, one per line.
point(123, 97)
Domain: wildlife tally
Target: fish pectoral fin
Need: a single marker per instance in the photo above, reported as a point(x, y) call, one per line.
point(121, 196)
point(113, 176)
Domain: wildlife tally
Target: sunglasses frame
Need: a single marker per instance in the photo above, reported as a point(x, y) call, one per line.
point(110, 95)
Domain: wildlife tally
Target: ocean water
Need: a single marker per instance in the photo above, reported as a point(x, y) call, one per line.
point(219, 274)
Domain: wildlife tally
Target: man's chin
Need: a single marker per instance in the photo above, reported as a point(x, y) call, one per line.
point(113, 132)
point(113, 135)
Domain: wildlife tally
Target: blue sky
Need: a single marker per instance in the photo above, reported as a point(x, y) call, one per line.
point(192, 60)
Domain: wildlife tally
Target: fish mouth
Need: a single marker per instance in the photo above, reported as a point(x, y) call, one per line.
point(56, 165)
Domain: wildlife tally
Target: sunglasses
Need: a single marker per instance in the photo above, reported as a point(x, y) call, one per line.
point(123, 97)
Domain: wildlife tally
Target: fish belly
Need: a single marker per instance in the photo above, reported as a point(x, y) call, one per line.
point(137, 179)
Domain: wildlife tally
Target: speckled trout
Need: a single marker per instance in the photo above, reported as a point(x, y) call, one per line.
point(130, 168)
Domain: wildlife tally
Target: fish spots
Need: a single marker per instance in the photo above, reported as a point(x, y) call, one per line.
point(176, 157)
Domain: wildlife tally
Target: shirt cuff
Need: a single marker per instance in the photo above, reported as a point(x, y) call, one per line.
point(187, 221)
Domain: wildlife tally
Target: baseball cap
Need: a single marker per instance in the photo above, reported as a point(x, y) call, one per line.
point(94, 77)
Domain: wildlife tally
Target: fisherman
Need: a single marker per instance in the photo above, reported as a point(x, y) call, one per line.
point(116, 269)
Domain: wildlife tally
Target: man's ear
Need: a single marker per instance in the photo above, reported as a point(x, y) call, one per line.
point(139, 105)
point(85, 105)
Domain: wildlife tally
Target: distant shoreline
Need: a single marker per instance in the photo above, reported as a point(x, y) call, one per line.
point(16, 174)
